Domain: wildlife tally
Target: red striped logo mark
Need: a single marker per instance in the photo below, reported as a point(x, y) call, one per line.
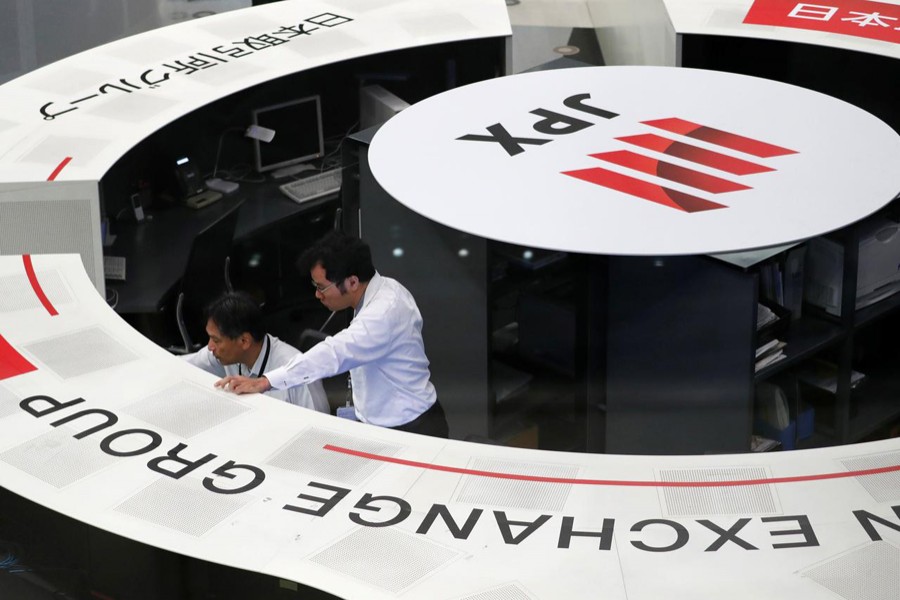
point(719, 137)
point(613, 482)
point(672, 172)
point(695, 154)
point(644, 189)
point(703, 182)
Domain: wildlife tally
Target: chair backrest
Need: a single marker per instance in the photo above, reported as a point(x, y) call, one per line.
point(204, 276)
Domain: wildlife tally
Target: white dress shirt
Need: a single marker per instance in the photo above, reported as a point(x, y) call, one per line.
point(383, 350)
point(310, 396)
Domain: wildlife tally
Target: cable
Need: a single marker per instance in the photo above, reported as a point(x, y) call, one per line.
point(10, 564)
point(219, 147)
point(12, 551)
point(112, 298)
point(341, 143)
point(328, 320)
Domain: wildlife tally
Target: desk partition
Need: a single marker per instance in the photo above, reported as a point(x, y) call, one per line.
point(100, 424)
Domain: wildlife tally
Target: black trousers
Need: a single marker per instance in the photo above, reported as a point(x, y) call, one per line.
point(432, 422)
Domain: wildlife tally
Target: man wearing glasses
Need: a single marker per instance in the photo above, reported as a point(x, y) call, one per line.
point(382, 348)
point(239, 345)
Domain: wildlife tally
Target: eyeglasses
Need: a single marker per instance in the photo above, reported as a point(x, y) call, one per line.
point(321, 289)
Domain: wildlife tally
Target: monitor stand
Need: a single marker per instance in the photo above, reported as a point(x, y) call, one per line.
point(292, 170)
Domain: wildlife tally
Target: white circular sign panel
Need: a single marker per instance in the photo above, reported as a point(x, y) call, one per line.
point(638, 161)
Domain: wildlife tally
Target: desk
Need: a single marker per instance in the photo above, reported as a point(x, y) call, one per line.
point(156, 249)
point(409, 516)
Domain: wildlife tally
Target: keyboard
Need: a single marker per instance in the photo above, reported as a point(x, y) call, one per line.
point(114, 268)
point(313, 186)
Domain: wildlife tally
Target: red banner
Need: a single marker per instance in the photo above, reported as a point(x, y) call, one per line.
point(860, 18)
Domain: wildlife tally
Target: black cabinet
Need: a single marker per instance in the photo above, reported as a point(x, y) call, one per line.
point(619, 354)
point(679, 356)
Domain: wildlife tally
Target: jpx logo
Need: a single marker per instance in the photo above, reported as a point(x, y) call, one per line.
point(669, 144)
point(551, 123)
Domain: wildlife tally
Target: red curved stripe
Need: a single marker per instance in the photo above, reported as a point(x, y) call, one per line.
point(36, 286)
point(612, 482)
point(59, 168)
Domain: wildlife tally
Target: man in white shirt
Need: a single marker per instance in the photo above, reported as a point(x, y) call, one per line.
point(382, 348)
point(239, 345)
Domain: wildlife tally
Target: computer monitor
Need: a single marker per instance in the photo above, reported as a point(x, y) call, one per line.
point(298, 135)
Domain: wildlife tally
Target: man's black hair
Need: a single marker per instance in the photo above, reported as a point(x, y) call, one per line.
point(236, 312)
point(341, 256)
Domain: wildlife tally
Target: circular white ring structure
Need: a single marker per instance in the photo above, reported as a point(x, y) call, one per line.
point(638, 161)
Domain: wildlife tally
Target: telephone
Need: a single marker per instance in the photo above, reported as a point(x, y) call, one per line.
point(188, 177)
point(138, 207)
point(191, 185)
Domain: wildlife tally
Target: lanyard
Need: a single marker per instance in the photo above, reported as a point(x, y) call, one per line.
point(265, 361)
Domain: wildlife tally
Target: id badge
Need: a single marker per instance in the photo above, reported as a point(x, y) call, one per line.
point(347, 412)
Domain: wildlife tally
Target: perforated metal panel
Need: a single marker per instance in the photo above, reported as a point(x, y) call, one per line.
point(512, 493)
point(51, 148)
point(9, 403)
point(54, 287)
point(18, 294)
point(186, 409)
point(385, 557)
point(868, 573)
point(12, 63)
point(330, 46)
point(58, 458)
point(305, 454)
point(183, 505)
point(440, 24)
point(732, 500)
point(506, 592)
point(82, 352)
point(883, 487)
point(119, 108)
point(52, 227)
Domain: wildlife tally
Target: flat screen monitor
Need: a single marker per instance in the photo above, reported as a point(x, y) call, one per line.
point(298, 134)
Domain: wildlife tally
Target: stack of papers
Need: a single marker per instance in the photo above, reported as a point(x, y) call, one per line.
point(761, 444)
point(823, 375)
point(769, 353)
point(771, 406)
point(764, 316)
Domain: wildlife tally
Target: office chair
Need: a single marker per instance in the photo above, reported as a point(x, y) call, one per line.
point(228, 285)
point(204, 279)
point(310, 337)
